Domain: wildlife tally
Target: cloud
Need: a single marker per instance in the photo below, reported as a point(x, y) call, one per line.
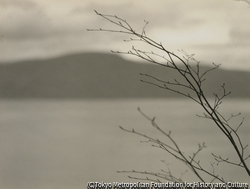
point(240, 35)
point(32, 26)
point(24, 4)
point(20, 22)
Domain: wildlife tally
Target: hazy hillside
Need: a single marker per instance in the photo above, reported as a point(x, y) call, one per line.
point(94, 75)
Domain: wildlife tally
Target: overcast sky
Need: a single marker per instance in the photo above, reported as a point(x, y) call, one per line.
point(215, 30)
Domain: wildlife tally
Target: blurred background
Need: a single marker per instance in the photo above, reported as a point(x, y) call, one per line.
point(63, 94)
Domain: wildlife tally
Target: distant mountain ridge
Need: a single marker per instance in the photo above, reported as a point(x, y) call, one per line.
point(97, 75)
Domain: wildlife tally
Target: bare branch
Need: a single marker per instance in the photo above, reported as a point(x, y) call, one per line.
point(191, 79)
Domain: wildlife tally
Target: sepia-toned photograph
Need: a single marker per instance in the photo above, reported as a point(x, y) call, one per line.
point(124, 94)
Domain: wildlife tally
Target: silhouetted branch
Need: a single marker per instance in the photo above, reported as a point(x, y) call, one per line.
point(192, 79)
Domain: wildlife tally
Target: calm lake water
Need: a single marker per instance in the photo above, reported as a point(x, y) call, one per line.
point(67, 143)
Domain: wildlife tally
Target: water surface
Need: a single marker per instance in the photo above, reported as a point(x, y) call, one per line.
point(67, 143)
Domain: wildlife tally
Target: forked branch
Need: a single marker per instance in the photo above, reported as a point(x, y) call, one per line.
point(192, 80)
